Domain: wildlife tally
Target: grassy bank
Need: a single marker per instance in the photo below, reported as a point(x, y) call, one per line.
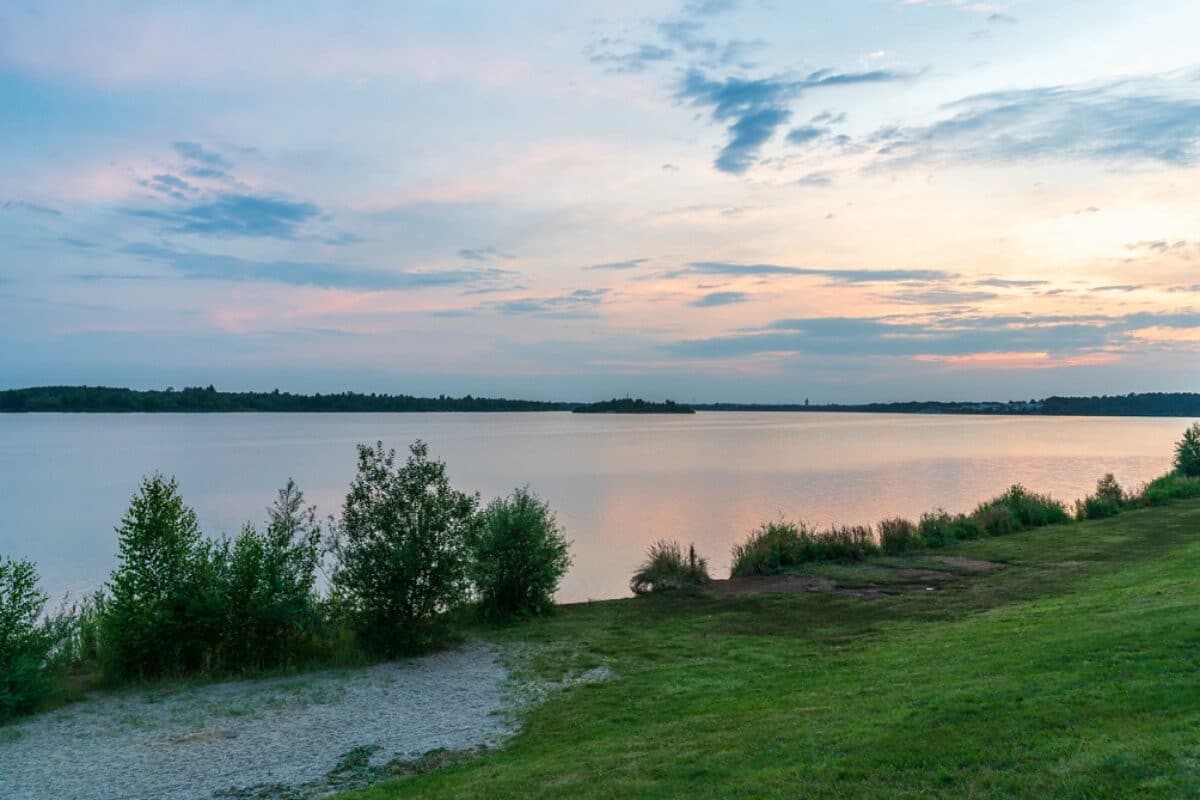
point(1071, 672)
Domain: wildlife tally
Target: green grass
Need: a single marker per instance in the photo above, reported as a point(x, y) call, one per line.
point(1072, 673)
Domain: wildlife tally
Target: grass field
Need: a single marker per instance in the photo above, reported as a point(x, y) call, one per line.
point(1073, 672)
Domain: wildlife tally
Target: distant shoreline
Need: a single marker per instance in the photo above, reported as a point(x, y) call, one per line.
point(196, 400)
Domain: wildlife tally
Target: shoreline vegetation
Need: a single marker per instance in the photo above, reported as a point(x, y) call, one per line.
point(102, 399)
point(410, 560)
point(853, 653)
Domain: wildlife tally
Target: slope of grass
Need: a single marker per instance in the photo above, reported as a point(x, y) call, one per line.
point(1072, 673)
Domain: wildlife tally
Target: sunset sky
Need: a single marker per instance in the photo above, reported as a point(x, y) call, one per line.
point(846, 200)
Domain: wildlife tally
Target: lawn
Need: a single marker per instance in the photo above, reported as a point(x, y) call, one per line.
point(1074, 672)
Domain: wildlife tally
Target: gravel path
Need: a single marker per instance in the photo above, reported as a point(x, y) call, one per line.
point(192, 743)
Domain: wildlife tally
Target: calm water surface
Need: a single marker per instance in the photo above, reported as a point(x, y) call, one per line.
point(617, 482)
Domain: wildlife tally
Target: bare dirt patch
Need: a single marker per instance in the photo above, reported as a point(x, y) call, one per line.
point(878, 581)
point(975, 565)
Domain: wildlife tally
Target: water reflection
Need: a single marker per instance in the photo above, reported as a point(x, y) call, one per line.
point(617, 483)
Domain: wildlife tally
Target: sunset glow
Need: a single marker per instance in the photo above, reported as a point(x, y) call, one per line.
point(709, 200)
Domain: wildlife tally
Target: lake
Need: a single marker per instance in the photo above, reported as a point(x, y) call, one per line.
point(616, 482)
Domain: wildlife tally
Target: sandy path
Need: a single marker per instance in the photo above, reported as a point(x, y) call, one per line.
point(192, 743)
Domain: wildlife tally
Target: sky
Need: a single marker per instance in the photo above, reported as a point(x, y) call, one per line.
point(713, 200)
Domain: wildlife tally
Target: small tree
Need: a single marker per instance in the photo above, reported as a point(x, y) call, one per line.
point(1108, 500)
point(519, 555)
point(163, 581)
point(400, 549)
point(1109, 490)
point(269, 583)
point(25, 643)
point(1187, 452)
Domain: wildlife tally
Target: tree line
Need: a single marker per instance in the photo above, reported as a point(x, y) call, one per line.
point(196, 399)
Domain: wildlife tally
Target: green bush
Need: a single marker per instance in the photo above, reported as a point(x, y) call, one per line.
point(158, 618)
point(268, 581)
point(777, 546)
point(27, 643)
point(1187, 453)
point(518, 557)
point(1108, 500)
point(666, 568)
point(401, 550)
point(899, 535)
point(938, 528)
point(772, 548)
point(1018, 509)
point(1168, 487)
point(845, 543)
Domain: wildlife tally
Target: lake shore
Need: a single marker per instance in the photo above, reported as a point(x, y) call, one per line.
point(960, 665)
point(1067, 671)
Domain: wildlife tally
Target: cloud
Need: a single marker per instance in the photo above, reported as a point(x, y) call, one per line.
point(949, 335)
point(1179, 248)
point(579, 303)
point(708, 8)
point(1001, 19)
point(482, 254)
point(633, 61)
point(629, 264)
point(202, 163)
point(704, 50)
point(835, 275)
point(754, 108)
point(815, 179)
point(941, 297)
point(720, 299)
point(32, 208)
point(1007, 283)
point(232, 214)
point(170, 185)
point(806, 134)
point(1152, 119)
point(216, 267)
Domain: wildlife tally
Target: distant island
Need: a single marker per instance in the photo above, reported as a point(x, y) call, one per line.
point(628, 406)
point(195, 399)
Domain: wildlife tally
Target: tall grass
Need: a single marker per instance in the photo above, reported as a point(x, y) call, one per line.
point(899, 535)
point(668, 568)
point(776, 546)
point(1019, 509)
point(939, 528)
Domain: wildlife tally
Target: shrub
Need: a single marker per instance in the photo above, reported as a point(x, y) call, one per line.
point(1187, 453)
point(845, 543)
point(81, 644)
point(666, 568)
point(1024, 508)
point(400, 549)
point(268, 581)
point(1168, 487)
point(158, 617)
point(899, 535)
point(776, 546)
point(518, 557)
point(1108, 500)
point(773, 547)
point(26, 643)
point(1108, 489)
point(996, 520)
point(938, 528)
